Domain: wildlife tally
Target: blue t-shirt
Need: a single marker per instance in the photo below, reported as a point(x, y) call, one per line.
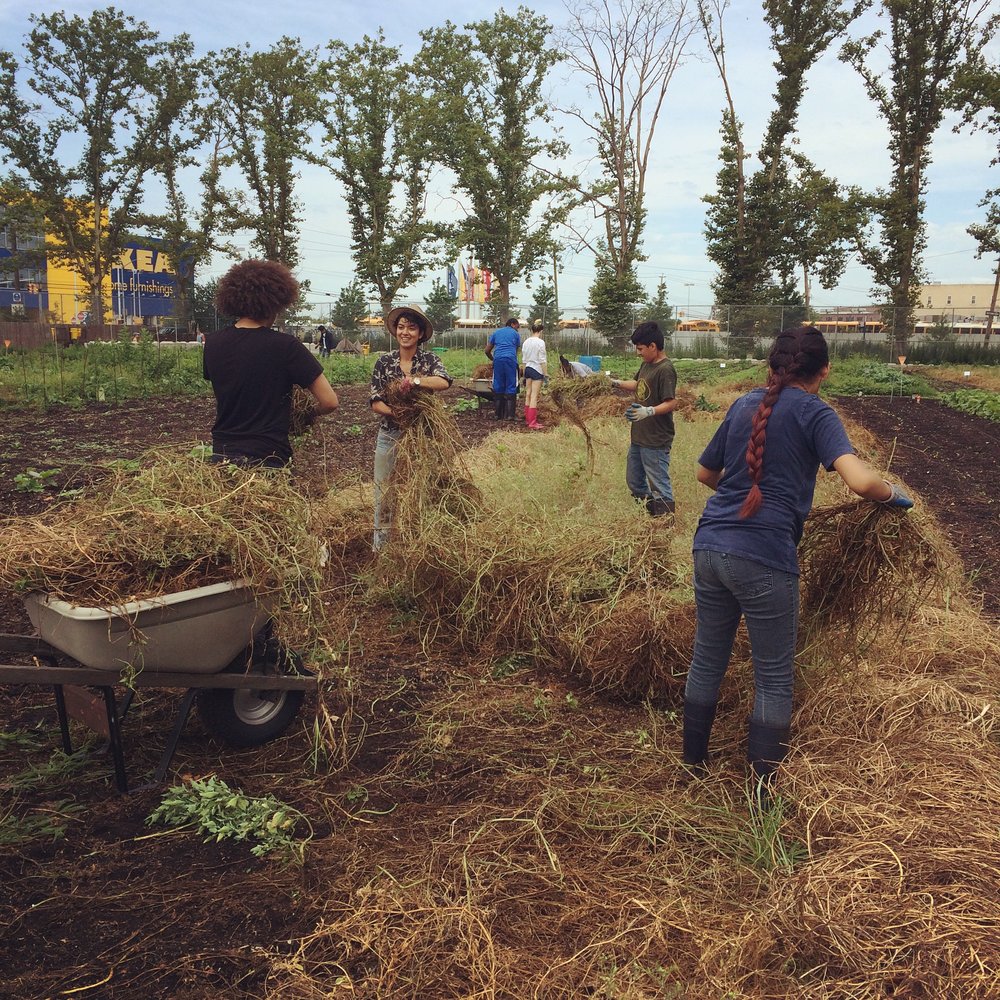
point(803, 433)
point(505, 343)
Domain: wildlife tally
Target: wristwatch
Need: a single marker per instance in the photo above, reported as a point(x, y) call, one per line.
point(416, 381)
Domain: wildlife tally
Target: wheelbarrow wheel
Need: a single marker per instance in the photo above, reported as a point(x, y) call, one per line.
point(249, 717)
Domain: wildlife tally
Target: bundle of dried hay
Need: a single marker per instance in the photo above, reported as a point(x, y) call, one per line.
point(482, 372)
point(176, 523)
point(303, 412)
point(865, 568)
point(429, 474)
point(637, 648)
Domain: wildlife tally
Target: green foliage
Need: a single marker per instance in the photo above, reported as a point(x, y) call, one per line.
point(491, 121)
point(350, 308)
point(219, 812)
point(658, 310)
point(440, 307)
point(508, 665)
point(107, 88)
point(764, 227)
point(266, 104)
point(33, 481)
point(379, 134)
point(544, 307)
point(613, 301)
point(863, 377)
point(348, 369)
point(978, 402)
point(930, 43)
point(48, 823)
point(465, 404)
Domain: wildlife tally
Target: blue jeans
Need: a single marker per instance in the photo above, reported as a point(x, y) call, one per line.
point(726, 587)
point(385, 462)
point(647, 473)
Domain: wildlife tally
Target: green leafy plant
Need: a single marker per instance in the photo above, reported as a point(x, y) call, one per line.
point(978, 402)
point(48, 823)
point(33, 480)
point(508, 665)
point(701, 403)
point(465, 404)
point(354, 430)
point(215, 809)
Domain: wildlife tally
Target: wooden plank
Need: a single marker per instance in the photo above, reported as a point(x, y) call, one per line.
point(88, 707)
point(16, 674)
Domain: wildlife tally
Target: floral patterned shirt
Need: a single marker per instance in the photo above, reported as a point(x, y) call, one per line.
point(387, 370)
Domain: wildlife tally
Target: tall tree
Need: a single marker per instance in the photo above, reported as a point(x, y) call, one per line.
point(350, 308)
point(627, 52)
point(659, 310)
point(930, 43)
point(493, 128)
point(545, 307)
point(106, 86)
point(614, 299)
point(757, 224)
point(267, 102)
point(440, 306)
point(378, 135)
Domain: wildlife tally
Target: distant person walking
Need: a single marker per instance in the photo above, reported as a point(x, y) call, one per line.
point(502, 349)
point(762, 465)
point(536, 370)
point(327, 342)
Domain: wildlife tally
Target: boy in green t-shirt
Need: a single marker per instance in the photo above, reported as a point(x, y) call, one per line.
point(647, 469)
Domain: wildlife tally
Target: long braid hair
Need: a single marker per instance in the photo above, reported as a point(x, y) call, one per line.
point(797, 355)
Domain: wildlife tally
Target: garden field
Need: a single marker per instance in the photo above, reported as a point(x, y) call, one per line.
point(488, 801)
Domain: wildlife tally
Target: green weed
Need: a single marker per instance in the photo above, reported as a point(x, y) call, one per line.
point(215, 809)
point(33, 480)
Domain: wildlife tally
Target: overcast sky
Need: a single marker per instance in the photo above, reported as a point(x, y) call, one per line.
point(838, 130)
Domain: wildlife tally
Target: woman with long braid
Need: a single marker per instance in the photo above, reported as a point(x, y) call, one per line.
point(762, 465)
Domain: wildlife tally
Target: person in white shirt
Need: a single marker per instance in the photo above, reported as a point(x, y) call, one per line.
point(536, 369)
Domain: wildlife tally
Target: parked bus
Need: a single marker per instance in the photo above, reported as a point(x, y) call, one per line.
point(698, 326)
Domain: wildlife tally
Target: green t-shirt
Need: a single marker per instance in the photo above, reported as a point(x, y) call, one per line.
point(656, 384)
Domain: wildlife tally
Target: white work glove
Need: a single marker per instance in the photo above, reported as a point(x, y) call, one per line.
point(639, 412)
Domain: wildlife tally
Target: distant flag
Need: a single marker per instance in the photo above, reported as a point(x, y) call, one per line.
point(452, 282)
point(487, 283)
point(472, 282)
point(463, 280)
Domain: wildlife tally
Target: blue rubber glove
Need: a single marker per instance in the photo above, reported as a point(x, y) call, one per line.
point(900, 498)
point(638, 412)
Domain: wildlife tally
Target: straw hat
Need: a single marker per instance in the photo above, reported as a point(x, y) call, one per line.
point(393, 318)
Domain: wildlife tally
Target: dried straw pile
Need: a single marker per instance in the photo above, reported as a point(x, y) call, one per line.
point(865, 569)
point(179, 522)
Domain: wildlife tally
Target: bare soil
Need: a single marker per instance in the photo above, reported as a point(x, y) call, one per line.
point(114, 909)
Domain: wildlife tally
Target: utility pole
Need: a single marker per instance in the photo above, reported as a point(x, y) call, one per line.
point(993, 308)
point(555, 283)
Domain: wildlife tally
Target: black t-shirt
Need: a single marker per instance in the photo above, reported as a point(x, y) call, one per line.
point(252, 372)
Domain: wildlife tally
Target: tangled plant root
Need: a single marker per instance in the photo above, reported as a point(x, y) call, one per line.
point(865, 568)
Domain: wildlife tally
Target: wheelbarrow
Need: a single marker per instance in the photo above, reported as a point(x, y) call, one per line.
point(482, 388)
point(215, 641)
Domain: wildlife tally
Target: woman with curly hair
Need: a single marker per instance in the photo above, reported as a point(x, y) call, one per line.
point(762, 465)
point(253, 368)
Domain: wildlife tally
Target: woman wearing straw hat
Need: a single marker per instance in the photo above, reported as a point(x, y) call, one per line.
point(762, 465)
point(414, 370)
point(536, 370)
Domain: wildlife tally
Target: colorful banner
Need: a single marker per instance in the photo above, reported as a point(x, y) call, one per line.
point(463, 283)
point(487, 285)
point(452, 282)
